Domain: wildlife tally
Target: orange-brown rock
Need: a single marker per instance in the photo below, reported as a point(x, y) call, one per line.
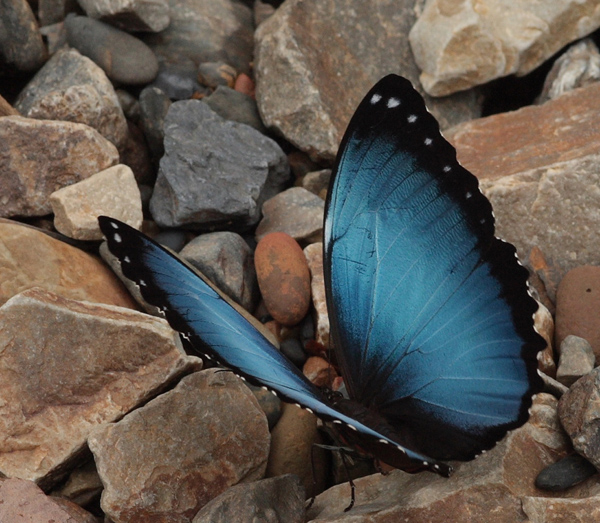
point(29, 258)
point(283, 277)
point(319, 371)
point(578, 306)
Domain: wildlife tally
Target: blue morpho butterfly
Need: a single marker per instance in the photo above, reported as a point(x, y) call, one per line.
point(430, 315)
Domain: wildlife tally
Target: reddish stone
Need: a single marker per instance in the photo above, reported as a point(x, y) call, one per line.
point(283, 277)
point(319, 371)
point(244, 84)
point(578, 306)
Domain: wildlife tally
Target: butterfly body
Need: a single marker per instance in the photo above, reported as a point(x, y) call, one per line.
point(430, 316)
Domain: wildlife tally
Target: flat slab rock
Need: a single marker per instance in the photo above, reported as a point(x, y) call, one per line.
point(59, 381)
point(166, 460)
point(461, 44)
point(538, 167)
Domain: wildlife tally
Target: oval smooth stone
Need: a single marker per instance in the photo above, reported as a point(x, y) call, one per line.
point(283, 277)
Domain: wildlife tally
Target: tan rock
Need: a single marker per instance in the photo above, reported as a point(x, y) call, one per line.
point(576, 360)
point(23, 501)
point(296, 212)
point(29, 258)
point(113, 192)
point(459, 45)
point(41, 156)
point(314, 257)
point(166, 460)
point(283, 277)
point(544, 324)
point(538, 167)
point(66, 367)
point(331, 52)
point(553, 510)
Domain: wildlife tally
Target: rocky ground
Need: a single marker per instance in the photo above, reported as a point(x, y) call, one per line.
point(212, 125)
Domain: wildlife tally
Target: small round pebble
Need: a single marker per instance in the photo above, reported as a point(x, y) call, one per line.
point(174, 240)
point(565, 473)
point(244, 84)
point(319, 371)
point(292, 349)
point(213, 74)
point(283, 277)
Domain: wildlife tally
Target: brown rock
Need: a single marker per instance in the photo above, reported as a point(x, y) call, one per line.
point(488, 488)
point(23, 501)
point(555, 510)
point(578, 306)
point(461, 44)
point(293, 450)
point(579, 411)
point(319, 371)
point(41, 156)
point(273, 500)
point(538, 167)
point(317, 182)
point(314, 257)
point(72, 88)
point(296, 212)
point(83, 485)
point(283, 277)
point(29, 258)
point(544, 324)
point(544, 277)
point(186, 447)
point(59, 380)
point(244, 84)
point(6, 109)
point(130, 15)
point(330, 53)
point(113, 192)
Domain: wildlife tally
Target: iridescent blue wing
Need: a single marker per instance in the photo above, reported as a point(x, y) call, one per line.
point(218, 331)
point(430, 314)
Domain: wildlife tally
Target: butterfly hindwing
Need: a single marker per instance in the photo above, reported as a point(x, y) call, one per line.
point(218, 331)
point(430, 315)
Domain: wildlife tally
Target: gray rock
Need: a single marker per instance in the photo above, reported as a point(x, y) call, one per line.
point(173, 239)
point(129, 104)
point(269, 403)
point(41, 156)
point(130, 15)
point(72, 88)
point(206, 31)
point(214, 172)
point(135, 154)
point(179, 81)
point(154, 106)
point(576, 359)
point(213, 74)
point(317, 182)
point(316, 59)
point(123, 57)
point(226, 260)
point(54, 11)
point(235, 106)
point(294, 211)
point(273, 500)
point(21, 44)
point(578, 66)
point(185, 448)
point(565, 473)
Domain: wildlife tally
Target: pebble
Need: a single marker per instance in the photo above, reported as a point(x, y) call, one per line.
point(130, 15)
point(317, 182)
point(124, 58)
point(320, 372)
point(235, 106)
point(576, 359)
point(565, 473)
point(270, 404)
point(245, 85)
point(293, 351)
point(283, 277)
point(154, 106)
point(21, 44)
point(136, 155)
point(577, 306)
point(112, 191)
point(296, 212)
point(227, 261)
point(214, 74)
point(314, 257)
point(178, 80)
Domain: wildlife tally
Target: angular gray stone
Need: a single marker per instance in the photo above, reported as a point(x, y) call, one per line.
point(316, 59)
point(123, 57)
point(294, 211)
point(130, 15)
point(112, 192)
point(154, 106)
point(462, 44)
point(70, 87)
point(576, 359)
point(40, 156)
point(21, 44)
point(577, 67)
point(185, 447)
point(235, 106)
point(59, 381)
point(226, 260)
point(214, 172)
point(206, 31)
point(273, 500)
